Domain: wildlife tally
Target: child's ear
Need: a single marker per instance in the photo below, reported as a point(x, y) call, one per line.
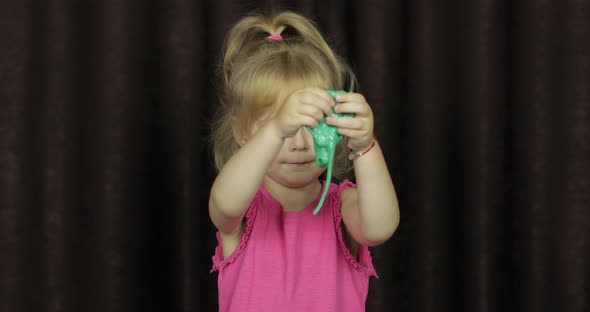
point(238, 134)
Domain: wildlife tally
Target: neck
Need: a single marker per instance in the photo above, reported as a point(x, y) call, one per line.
point(293, 198)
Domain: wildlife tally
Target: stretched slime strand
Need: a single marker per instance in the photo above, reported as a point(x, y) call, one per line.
point(331, 152)
point(325, 140)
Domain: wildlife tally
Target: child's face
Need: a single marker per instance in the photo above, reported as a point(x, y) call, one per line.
point(294, 165)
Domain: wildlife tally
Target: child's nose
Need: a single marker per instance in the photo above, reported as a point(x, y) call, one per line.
point(299, 141)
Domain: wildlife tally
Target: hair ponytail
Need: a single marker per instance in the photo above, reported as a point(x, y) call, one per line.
point(306, 31)
point(249, 34)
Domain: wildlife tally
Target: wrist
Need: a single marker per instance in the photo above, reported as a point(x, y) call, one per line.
point(360, 152)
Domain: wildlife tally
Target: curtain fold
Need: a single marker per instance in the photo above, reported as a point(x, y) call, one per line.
point(481, 108)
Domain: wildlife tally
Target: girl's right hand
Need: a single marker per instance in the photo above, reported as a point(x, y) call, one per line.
point(305, 107)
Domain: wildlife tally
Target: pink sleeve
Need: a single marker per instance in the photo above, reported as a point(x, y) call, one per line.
point(364, 262)
point(218, 262)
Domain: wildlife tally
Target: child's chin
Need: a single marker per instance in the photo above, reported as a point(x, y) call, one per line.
point(297, 180)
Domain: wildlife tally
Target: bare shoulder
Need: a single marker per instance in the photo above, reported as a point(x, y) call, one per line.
point(349, 199)
point(348, 208)
point(231, 240)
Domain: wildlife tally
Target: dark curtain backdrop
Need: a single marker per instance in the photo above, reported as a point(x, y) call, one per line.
point(482, 108)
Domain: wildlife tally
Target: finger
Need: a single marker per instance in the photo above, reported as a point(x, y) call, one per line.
point(351, 133)
point(359, 108)
point(309, 121)
point(350, 97)
point(324, 94)
point(345, 122)
point(324, 103)
point(311, 111)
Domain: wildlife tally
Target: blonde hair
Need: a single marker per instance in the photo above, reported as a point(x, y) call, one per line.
point(257, 74)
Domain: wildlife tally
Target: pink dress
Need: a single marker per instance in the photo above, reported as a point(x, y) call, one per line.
point(293, 261)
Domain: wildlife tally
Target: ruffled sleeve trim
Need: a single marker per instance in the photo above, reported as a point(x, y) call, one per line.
point(364, 263)
point(219, 263)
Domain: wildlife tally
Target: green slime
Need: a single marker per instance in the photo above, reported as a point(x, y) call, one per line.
point(325, 140)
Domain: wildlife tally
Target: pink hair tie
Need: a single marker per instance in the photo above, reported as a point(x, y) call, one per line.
point(275, 37)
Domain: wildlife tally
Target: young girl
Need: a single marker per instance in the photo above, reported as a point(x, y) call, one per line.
point(274, 253)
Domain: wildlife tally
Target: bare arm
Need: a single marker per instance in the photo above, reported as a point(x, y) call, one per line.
point(370, 212)
point(239, 180)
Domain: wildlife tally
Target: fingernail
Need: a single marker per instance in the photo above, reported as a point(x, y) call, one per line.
point(339, 97)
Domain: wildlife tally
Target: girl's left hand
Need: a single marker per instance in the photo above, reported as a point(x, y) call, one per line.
point(359, 129)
